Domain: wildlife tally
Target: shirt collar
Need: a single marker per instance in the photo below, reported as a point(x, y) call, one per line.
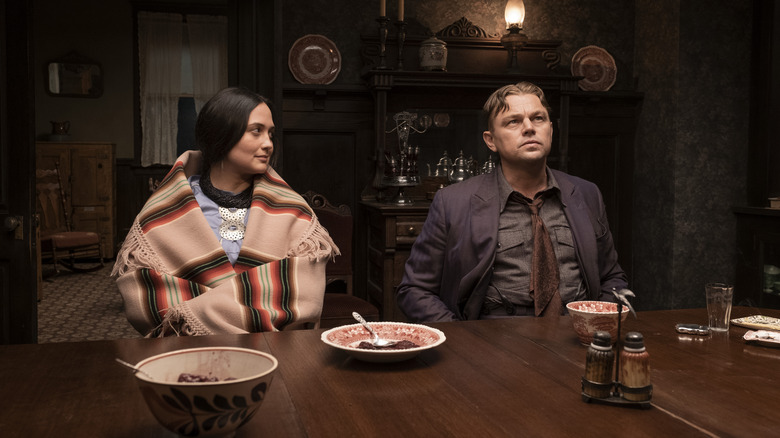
point(504, 189)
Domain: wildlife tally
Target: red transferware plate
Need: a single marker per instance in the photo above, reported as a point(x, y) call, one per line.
point(314, 59)
point(596, 66)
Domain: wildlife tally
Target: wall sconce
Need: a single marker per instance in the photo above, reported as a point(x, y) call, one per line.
point(515, 39)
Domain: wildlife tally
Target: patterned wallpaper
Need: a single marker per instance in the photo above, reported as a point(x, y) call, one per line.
point(575, 24)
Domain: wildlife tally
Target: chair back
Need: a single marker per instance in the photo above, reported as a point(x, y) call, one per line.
point(338, 221)
point(57, 239)
point(52, 202)
point(337, 308)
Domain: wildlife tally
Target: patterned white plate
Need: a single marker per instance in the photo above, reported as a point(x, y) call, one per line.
point(763, 337)
point(758, 322)
point(348, 337)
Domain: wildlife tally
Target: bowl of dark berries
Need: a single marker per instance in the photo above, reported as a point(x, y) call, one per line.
point(588, 317)
point(205, 392)
point(410, 340)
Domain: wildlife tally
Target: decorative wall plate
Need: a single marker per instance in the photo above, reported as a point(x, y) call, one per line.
point(314, 59)
point(441, 120)
point(597, 66)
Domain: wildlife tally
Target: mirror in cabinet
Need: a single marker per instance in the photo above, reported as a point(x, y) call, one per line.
point(446, 145)
point(442, 141)
point(74, 75)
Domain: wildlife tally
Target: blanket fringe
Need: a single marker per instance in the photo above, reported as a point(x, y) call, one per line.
point(315, 243)
point(181, 321)
point(136, 253)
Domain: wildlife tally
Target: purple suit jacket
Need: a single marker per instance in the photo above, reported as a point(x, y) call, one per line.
point(448, 271)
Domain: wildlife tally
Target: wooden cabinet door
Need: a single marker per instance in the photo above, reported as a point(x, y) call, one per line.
point(92, 188)
point(92, 176)
point(52, 157)
point(391, 233)
point(87, 175)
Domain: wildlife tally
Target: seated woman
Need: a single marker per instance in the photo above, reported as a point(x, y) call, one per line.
point(224, 245)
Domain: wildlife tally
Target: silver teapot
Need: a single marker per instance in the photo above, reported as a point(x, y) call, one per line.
point(460, 169)
point(444, 166)
point(489, 166)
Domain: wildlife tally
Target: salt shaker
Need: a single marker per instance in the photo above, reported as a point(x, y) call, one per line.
point(598, 366)
point(635, 369)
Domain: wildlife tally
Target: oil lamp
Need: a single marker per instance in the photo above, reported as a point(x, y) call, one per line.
point(515, 39)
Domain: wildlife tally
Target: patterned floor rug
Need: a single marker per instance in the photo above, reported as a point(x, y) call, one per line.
point(81, 307)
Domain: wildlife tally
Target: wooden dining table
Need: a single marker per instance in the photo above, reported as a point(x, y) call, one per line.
point(502, 378)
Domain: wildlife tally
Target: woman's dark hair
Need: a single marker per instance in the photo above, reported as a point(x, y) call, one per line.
point(222, 122)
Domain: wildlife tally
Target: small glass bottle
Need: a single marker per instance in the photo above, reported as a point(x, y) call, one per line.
point(635, 369)
point(598, 366)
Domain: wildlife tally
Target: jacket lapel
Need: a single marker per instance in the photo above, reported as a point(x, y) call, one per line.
point(483, 223)
point(581, 225)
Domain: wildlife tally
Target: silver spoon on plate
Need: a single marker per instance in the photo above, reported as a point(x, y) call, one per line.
point(377, 341)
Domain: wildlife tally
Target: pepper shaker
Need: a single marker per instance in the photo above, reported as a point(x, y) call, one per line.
point(598, 366)
point(635, 371)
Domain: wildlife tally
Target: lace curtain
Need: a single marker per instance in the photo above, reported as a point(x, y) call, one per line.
point(160, 45)
point(208, 49)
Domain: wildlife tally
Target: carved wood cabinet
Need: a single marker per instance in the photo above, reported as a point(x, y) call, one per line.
point(390, 233)
point(758, 261)
point(87, 175)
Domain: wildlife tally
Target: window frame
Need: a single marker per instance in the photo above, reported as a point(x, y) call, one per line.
point(215, 9)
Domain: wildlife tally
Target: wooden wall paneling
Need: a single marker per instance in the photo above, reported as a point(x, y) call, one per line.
point(323, 162)
point(326, 143)
point(327, 146)
point(763, 180)
point(135, 185)
point(602, 131)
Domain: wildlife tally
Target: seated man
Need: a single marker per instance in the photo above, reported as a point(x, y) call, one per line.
point(483, 253)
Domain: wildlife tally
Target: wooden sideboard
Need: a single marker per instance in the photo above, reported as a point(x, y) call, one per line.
point(87, 174)
point(758, 258)
point(391, 230)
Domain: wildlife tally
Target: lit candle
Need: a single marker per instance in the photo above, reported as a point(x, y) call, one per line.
point(400, 10)
point(382, 10)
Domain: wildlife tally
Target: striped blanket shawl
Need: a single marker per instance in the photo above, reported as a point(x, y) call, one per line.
point(175, 277)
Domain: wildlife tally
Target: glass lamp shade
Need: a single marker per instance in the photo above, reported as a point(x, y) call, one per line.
point(514, 14)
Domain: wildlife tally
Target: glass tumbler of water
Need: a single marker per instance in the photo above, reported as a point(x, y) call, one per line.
point(719, 296)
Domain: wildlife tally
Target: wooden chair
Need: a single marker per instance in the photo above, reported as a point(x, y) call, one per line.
point(338, 306)
point(57, 239)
